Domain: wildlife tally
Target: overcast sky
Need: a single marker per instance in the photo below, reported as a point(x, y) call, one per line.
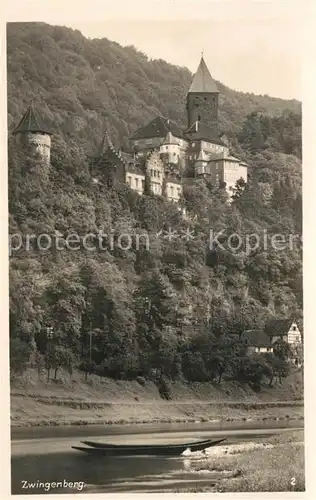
point(249, 45)
point(254, 51)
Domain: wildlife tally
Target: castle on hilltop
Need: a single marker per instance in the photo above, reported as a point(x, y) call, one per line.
point(161, 154)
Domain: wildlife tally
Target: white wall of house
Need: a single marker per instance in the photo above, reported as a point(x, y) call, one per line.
point(294, 335)
point(264, 349)
point(135, 181)
point(259, 350)
point(213, 148)
point(173, 191)
point(233, 171)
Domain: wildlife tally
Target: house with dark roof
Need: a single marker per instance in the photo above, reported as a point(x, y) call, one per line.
point(262, 341)
point(284, 329)
point(256, 341)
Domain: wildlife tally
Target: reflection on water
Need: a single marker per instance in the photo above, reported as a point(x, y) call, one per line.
point(100, 473)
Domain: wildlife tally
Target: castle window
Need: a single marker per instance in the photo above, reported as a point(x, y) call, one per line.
point(151, 172)
point(158, 173)
point(199, 118)
point(171, 190)
point(143, 183)
point(129, 180)
point(136, 182)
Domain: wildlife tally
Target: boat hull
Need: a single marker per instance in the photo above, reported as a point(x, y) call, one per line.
point(95, 444)
point(146, 450)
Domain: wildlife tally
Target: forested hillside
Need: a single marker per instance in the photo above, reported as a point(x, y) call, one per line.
point(83, 85)
point(172, 308)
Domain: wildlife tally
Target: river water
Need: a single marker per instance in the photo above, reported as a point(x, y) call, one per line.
point(42, 460)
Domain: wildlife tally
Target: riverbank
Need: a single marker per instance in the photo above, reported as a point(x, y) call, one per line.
point(36, 402)
point(275, 465)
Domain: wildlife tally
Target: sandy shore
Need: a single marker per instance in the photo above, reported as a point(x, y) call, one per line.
point(275, 465)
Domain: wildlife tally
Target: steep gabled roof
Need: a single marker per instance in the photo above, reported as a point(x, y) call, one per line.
point(202, 80)
point(224, 156)
point(173, 178)
point(170, 139)
point(135, 168)
point(256, 338)
point(158, 127)
point(278, 326)
point(202, 156)
point(106, 143)
point(31, 122)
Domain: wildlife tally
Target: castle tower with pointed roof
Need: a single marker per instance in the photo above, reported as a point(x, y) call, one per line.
point(202, 100)
point(170, 149)
point(34, 134)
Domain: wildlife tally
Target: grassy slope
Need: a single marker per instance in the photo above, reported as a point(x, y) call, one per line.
point(37, 402)
point(273, 464)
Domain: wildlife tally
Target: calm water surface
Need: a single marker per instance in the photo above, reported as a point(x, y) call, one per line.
point(41, 457)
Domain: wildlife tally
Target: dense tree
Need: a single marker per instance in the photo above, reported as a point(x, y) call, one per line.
point(175, 306)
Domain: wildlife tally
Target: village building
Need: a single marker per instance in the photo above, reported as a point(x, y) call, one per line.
point(284, 329)
point(276, 330)
point(256, 341)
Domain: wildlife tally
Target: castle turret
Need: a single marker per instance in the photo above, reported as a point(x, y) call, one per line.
point(170, 149)
point(202, 99)
point(34, 134)
point(106, 143)
point(200, 163)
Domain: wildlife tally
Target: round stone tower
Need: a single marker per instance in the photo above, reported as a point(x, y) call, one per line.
point(170, 149)
point(34, 134)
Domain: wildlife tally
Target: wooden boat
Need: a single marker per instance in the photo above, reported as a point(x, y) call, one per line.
point(145, 450)
point(96, 444)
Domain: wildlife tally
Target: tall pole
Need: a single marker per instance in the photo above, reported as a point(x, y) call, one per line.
point(90, 346)
point(90, 342)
